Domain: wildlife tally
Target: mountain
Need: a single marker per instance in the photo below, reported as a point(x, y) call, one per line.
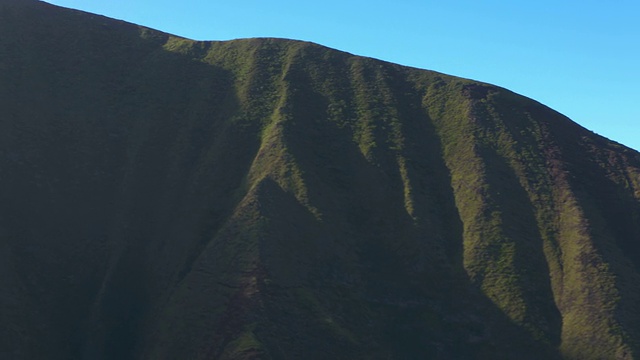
point(163, 198)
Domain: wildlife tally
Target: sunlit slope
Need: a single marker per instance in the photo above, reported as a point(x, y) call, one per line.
point(163, 198)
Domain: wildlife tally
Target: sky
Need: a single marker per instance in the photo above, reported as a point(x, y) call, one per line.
point(581, 58)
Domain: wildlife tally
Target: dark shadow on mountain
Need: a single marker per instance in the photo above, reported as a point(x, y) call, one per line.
point(97, 186)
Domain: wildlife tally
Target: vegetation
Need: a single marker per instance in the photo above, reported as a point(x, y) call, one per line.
point(164, 198)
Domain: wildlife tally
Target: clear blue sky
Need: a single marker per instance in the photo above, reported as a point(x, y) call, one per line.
point(581, 58)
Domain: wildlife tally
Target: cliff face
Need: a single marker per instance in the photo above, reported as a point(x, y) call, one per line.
point(163, 198)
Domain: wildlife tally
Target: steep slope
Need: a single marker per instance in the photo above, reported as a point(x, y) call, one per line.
point(164, 198)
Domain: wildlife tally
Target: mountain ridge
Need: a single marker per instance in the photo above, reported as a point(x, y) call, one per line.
point(266, 198)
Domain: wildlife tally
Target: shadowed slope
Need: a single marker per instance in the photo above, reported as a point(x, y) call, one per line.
point(164, 198)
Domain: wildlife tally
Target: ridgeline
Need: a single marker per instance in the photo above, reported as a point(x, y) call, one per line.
point(163, 198)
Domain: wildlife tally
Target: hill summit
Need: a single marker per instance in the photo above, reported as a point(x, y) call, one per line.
point(163, 198)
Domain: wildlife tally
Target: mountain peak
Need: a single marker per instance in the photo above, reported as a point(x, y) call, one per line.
point(268, 198)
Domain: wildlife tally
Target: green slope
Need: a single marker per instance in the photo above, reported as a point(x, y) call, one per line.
point(164, 198)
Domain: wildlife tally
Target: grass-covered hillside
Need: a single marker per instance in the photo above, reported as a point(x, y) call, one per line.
point(162, 198)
